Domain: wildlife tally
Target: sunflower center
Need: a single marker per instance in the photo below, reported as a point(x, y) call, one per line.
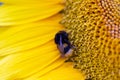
point(94, 30)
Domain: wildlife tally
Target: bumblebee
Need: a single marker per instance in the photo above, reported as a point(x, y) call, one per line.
point(63, 43)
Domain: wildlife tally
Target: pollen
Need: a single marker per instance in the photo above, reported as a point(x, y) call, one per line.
point(94, 30)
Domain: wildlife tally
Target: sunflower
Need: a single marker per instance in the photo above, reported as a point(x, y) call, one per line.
point(28, 28)
point(27, 48)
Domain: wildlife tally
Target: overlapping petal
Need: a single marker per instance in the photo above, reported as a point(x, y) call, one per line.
point(28, 36)
point(26, 11)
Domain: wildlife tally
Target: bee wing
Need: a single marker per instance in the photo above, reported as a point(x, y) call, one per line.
point(61, 48)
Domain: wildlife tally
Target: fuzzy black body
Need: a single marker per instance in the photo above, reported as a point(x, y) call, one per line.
point(62, 41)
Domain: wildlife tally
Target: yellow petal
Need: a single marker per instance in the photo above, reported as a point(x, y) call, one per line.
point(26, 45)
point(22, 2)
point(52, 21)
point(2, 29)
point(15, 14)
point(38, 63)
point(64, 72)
point(27, 36)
